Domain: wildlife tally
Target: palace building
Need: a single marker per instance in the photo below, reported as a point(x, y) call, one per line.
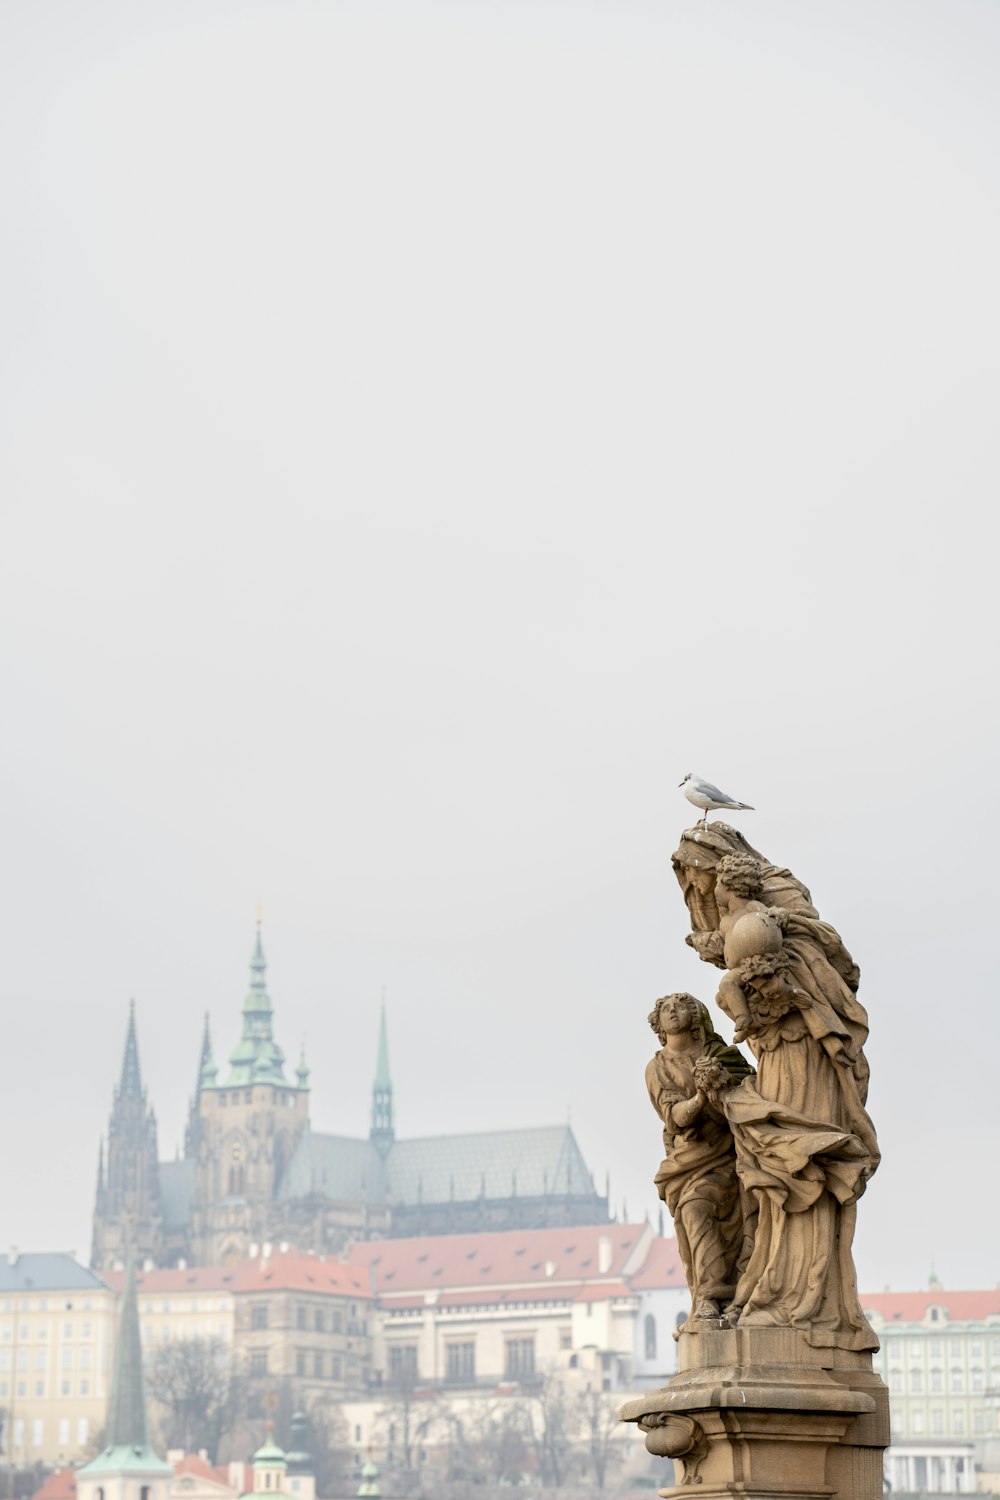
point(254, 1172)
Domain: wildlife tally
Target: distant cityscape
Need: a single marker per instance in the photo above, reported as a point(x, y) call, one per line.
point(377, 1314)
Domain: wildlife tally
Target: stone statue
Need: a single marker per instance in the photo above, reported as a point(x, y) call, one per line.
point(687, 1081)
point(805, 1146)
point(775, 1391)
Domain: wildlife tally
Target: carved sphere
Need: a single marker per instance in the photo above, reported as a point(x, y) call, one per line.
point(754, 934)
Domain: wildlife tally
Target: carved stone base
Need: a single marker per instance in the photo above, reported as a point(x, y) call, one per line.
point(759, 1412)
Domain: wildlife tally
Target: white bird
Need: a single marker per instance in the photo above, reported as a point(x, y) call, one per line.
point(703, 794)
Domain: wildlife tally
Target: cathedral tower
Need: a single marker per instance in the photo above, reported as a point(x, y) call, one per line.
point(127, 1209)
point(248, 1128)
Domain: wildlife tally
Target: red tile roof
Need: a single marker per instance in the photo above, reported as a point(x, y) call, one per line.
point(172, 1280)
point(60, 1485)
point(193, 1463)
point(548, 1258)
point(295, 1272)
point(662, 1268)
point(284, 1271)
point(911, 1307)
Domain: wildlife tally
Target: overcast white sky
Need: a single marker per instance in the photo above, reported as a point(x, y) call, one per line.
point(428, 431)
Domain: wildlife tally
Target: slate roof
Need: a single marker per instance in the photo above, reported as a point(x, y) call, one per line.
point(497, 1164)
point(528, 1163)
point(47, 1272)
point(337, 1167)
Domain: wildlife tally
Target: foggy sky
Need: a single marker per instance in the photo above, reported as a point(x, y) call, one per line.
point(428, 431)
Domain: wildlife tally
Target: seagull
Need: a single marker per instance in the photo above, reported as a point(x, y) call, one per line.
point(704, 794)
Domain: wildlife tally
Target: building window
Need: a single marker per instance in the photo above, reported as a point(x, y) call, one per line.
point(83, 1438)
point(958, 1423)
point(258, 1315)
point(937, 1420)
point(917, 1382)
point(84, 1387)
point(937, 1381)
point(979, 1422)
point(918, 1421)
point(460, 1361)
point(318, 1366)
point(338, 1320)
point(36, 1433)
point(258, 1362)
point(300, 1316)
point(402, 1362)
point(63, 1432)
point(336, 1367)
point(956, 1383)
point(519, 1357)
point(319, 1321)
point(300, 1362)
point(895, 1381)
point(650, 1336)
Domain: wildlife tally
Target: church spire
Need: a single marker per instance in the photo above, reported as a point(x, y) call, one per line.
point(126, 1420)
point(207, 1074)
point(130, 1084)
point(126, 1466)
point(257, 1058)
point(383, 1127)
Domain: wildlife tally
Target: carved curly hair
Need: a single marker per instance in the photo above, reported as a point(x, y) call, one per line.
point(742, 874)
point(697, 1011)
point(762, 966)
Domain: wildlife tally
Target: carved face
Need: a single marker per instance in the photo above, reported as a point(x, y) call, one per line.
point(675, 1015)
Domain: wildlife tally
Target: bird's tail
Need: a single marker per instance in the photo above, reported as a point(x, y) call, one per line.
point(743, 806)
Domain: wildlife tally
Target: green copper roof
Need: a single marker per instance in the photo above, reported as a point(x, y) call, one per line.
point(257, 1058)
point(127, 1450)
point(269, 1455)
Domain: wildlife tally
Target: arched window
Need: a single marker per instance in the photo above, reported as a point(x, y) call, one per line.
point(650, 1334)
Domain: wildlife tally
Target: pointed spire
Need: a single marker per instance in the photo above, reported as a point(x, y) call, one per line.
point(100, 1167)
point(382, 1079)
point(126, 1419)
point(207, 1071)
point(130, 1084)
point(257, 1056)
point(383, 1127)
point(302, 1071)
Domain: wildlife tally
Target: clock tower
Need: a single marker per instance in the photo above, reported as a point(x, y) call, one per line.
point(249, 1127)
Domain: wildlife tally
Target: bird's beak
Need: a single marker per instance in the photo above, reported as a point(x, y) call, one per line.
point(681, 783)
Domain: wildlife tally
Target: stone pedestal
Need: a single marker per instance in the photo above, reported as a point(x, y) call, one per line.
point(760, 1412)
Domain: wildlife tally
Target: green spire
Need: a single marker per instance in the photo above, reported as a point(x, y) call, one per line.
point(382, 1079)
point(257, 1058)
point(127, 1453)
point(383, 1131)
point(126, 1423)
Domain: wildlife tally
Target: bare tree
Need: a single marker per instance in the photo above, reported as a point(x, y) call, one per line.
point(551, 1421)
point(596, 1414)
point(409, 1415)
point(193, 1384)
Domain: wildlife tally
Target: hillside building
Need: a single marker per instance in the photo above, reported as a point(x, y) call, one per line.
point(254, 1172)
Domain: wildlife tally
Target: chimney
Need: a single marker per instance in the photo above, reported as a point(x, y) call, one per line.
point(605, 1254)
point(12, 1255)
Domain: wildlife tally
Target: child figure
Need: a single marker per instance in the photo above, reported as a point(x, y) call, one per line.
point(748, 929)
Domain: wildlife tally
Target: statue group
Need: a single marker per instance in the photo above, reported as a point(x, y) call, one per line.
point(763, 1168)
